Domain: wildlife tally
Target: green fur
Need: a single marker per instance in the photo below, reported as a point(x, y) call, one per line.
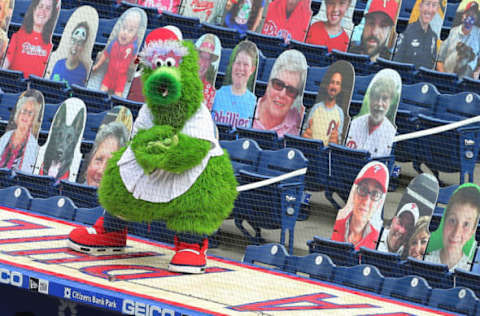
point(200, 210)
point(177, 158)
point(204, 206)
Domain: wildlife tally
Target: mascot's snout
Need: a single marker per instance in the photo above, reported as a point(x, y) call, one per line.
point(163, 86)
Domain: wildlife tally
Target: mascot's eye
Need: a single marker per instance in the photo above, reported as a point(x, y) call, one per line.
point(158, 63)
point(170, 62)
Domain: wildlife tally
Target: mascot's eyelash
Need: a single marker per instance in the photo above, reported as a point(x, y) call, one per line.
point(161, 48)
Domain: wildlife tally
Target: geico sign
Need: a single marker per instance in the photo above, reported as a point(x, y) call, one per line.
point(11, 277)
point(130, 307)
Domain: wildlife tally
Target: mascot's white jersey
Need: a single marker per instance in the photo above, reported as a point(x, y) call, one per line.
point(162, 186)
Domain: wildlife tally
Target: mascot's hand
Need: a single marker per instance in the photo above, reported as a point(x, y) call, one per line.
point(160, 146)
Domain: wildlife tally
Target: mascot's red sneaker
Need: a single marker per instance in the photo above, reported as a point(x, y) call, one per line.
point(96, 240)
point(189, 258)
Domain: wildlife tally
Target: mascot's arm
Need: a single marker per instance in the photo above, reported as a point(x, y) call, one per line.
point(160, 148)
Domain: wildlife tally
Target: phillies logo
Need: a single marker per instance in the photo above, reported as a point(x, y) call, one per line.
point(351, 144)
point(331, 126)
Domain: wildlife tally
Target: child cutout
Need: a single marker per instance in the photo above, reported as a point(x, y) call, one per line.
point(120, 54)
point(453, 243)
point(330, 33)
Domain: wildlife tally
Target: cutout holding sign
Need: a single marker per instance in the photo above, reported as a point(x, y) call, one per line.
point(373, 129)
point(281, 108)
point(328, 119)
point(71, 62)
point(235, 101)
point(19, 144)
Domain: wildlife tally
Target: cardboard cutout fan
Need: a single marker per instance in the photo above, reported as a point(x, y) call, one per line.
point(288, 19)
point(113, 133)
point(418, 44)
point(71, 61)
point(459, 52)
point(406, 233)
point(374, 129)
point(210, 11)
point(234, 102)
point(359, 222)
point(332, 26)
point(453, 243)
point(60, 156)
point(6, 10)
point(29, 48)
point(375, 35)
point(243, 15)
point(114, 66)
point(209, 51)
point(281, 108)
point(329, 117)
point(19, 144)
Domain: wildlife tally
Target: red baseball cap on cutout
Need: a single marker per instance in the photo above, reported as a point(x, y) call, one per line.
point(388, 7)
point(471, 4)
point(378, 172)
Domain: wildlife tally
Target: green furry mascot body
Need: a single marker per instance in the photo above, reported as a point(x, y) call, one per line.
point(173, 169)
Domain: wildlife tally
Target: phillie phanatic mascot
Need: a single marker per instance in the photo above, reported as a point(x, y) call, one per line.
point(173, 169)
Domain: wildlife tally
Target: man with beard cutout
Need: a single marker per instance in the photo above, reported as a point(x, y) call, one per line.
point(325, 121)
point(379, 21)
point(372, 132)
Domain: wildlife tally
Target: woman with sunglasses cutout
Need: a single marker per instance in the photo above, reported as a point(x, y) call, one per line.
point(366, 198)
point(281, 108)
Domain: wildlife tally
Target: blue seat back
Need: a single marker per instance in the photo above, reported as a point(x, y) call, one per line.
point(244, 153)
point(411, 288)
point(271, 46)
point(270, 254)
point(389, 264)
point(95, 100)
point(419, 97)
point(83, 195)
point(93, 124)
point(266, 139)
point(53, 91)
point(362, 276)
point(88, 215)
point(15, 197)
point(57, 206)
point(341, 253)
point(437, 275)
point(459, 300)
point(316, 265)
point(39, 186)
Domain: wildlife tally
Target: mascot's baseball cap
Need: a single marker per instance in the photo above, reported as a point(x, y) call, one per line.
point(375, 171)
point(165, 33)
point(388, 7)
point(412, 208)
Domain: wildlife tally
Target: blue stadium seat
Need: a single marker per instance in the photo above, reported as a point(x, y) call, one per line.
point(458, 106)
point(314, 78)
point(274, 206)
point(444, 81)
point(361, 85)
point(263, 76)
point(154, 18)
point(450, 13)
point(7, 178)
point(266, 139)
point(190, 26)
point(317, 155)
point(133, 106)
point(461, 154)
point(15, 197)
point(471, 280)
point(88, 215)
point(105, 27)
point(271, 46)
point(19, 10)
point(107, 9)
point(270, 254)
point(411, 288)
point(389, 264)
point(469, 84)
point(223, 65)
point(315, 265)
point(226, 131)
point(244, 153)
point(459, 300)
point(363, 276)
point(404, 15)
point(62, 20)
point(437, 275)
point(341, 253)
point(39, 186)
point(81, 194)
point(7, 103)
point(69, 4)
point(95, 100)
point(361, 63)
point(407, 71)
point(53, 91)
point(48, 116)
point(57, 206)
point(228, 37)
point(316, 55)
point(344, 165)
point(92, 125)
point(11, 81)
